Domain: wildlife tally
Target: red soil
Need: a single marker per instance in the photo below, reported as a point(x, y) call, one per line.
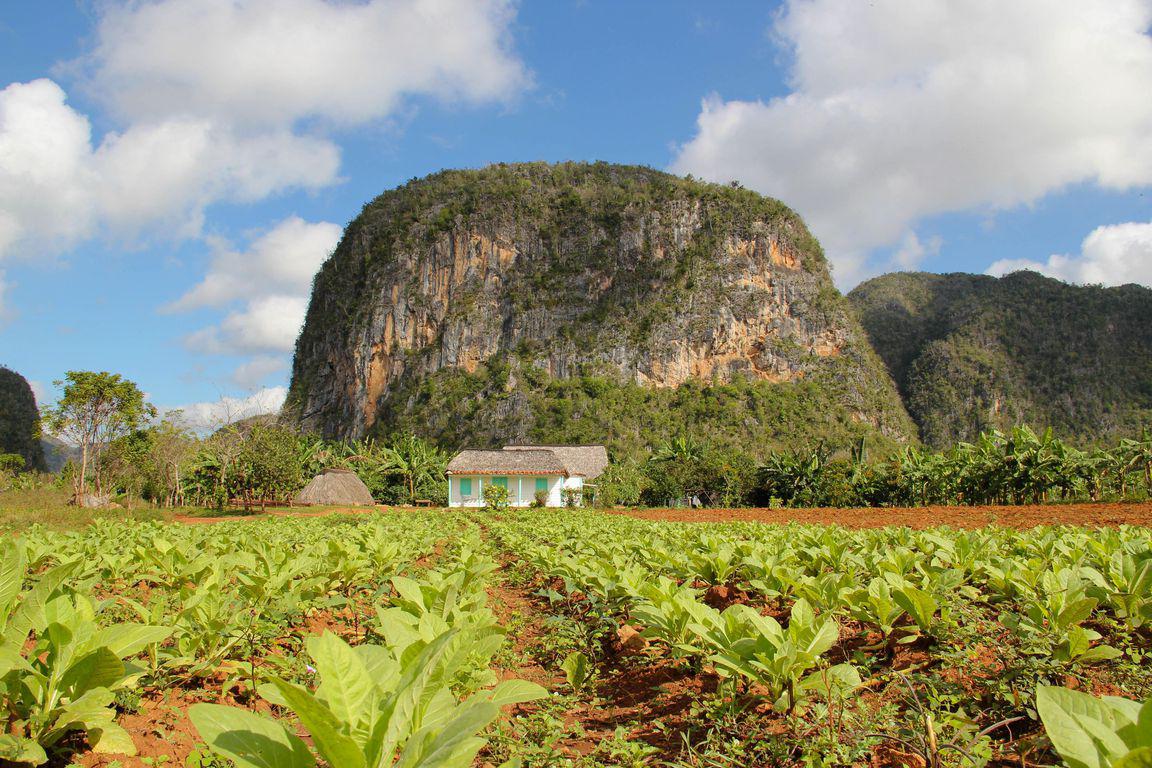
point(1101, 514)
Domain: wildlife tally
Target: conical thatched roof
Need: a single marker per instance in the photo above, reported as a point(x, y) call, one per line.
point(336, 486)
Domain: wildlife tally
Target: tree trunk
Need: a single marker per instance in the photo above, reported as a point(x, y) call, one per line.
point(80, 483)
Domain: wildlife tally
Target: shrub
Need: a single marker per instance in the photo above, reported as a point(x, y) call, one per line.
point(495, 498)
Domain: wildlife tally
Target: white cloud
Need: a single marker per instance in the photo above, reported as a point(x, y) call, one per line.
point(40, 392)
point(228, 101)
point(283, 260)
point(253, 373)
point(46, 174)
point(912, 251)
point(280, 61)
point(58, 188)
point(208, 416)
point(902, 109)
point(265, 288)
point(266, 324)
point(1111, 255)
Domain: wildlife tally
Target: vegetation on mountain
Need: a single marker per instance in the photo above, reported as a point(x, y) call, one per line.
point(584, 301)
point(19, 420)
point(972, 353)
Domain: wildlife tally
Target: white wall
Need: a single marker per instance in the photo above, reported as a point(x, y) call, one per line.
point(521, 489)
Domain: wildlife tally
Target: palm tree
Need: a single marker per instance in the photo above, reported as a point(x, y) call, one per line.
point(1137, 455)
point(416, 461)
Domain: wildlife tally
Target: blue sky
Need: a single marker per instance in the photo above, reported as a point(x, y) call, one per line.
point(228, 141)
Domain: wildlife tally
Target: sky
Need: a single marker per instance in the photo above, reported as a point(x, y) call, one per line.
point(173, 172)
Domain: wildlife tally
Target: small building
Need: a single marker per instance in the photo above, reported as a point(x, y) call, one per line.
point(526, 470)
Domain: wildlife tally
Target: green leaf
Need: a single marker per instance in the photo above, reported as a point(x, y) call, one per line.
point(17, 749)
point(111, 739)
point(575, 668)
point(920, 605)
point(99, 669)
point(1080, 727)
point(335, 747)
point(515, 692)
point(130, 639)
point(1137, 758)
point(250, 740)
point(345, 687)
point(12, 566)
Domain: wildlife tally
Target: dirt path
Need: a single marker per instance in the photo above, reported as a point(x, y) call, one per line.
point(1103, 514)
point(646, 696)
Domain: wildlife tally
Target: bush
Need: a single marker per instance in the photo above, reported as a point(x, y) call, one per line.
point(495, 498)
point(540, 499)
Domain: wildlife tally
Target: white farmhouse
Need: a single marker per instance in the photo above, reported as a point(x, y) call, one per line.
point(525, 470)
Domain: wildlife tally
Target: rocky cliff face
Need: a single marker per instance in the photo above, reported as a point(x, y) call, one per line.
point(973, 353)
point(19, 419)
point(511, 278)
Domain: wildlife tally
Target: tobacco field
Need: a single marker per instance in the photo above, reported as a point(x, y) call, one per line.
point(550, 638)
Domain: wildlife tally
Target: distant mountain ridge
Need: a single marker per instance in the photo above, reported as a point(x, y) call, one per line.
point(973, 352)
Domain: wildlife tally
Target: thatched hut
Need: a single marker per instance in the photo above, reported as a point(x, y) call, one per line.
point(336, 486)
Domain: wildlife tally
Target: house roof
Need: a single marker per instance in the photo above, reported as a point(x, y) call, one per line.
point(588, 461)
point(527, 462)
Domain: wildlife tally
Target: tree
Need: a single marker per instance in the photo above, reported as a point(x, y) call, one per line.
point(417, 462)
point(96, 409)
point(267, 465)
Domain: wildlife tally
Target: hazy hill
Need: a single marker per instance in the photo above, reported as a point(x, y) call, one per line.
point(970, 352)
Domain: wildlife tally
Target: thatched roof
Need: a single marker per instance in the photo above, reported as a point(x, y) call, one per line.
point(588, 461)
point(336, 486)
point(529, 462)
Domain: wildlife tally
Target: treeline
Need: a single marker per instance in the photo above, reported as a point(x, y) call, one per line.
point(1017, 467)
point(126, 454)
point(255, 464)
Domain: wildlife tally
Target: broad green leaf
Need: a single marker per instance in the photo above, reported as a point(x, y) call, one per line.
point(515, 692)
point(1140, 757)
point(99, 669)
point(333, 744)
point(409, 590)
point(111, 739)
point(345, 687)
point(250, 740)
point(12, 566)
point(454, 744)
point(920, 605)
point(575, 668)
point(17, 749)
point(30, 614)
point(127, 640)
point(1078, 725)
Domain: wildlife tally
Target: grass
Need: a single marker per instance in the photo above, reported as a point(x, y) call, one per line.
point(49, 507)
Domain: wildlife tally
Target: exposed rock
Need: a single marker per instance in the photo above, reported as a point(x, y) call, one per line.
point(502, 280)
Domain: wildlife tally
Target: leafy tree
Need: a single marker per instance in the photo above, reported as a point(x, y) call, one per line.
point(267, 465)
point(96, 409)
point(416, 461)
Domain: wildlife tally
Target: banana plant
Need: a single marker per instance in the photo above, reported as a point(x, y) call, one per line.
point(1090, 732)
point(369, 710)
